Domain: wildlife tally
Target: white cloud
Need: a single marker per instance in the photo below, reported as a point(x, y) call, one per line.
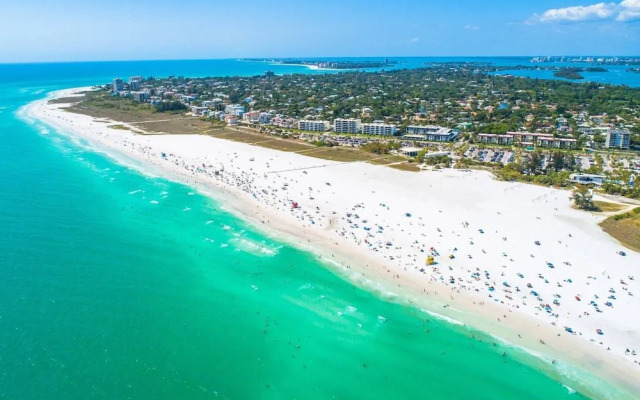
point(630, 10)
point(471, 27)
point(414, 40)
point(626, 10)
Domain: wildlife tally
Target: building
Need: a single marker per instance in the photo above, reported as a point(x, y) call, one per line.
point(587, 179)
point(117, 85)
point(528, 139)
point(283, 122)
point(231, 119)
point(135, 82)
point(140, 96)
point(211, 103)
point(346, 125)
point(558, 143)
point(198, 110)
point(234, 109)
point(495, 139)
point(433, 133)
point(410, 151)
point(378, 128)
point(264, 118)
point(542, 140)
point(251, 116)
point(313, 126)
point(618, 138)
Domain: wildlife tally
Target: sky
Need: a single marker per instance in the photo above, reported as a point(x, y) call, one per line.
point(92, 30)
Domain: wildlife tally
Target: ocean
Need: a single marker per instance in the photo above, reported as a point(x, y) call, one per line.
point(116, 284)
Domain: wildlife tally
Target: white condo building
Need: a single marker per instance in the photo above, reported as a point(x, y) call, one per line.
point(135, 82)
point(118, 85)
point(618, 138)
point(346, 125)
point(378, 128)
point(313, 126)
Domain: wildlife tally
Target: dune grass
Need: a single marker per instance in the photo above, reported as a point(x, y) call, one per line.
point(625, 228)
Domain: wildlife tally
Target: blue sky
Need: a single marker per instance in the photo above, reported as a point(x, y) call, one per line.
point(73, 30)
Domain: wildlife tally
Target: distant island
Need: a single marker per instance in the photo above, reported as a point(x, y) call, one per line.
point(589, 60)
point(333, 64)
point(574, 73)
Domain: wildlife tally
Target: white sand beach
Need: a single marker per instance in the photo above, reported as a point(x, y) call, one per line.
point(513, 259)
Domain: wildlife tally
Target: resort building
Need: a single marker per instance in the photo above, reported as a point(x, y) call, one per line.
point(379, 128)
point(432, 133)
point(117, 85)
point(618, 138)
point(314, 126)
point(346, 125)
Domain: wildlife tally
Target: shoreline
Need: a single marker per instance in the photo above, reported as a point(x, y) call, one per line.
point(319, 233)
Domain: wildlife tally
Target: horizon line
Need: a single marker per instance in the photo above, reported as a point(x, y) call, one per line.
point(298, 57)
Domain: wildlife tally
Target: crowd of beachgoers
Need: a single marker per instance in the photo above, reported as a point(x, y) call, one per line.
point(453, 233)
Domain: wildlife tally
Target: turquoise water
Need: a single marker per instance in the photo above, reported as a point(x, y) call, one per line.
point(115, 284)
point(91, 73)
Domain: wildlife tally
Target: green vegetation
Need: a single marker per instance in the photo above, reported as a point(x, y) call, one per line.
point(119, 127)
point(583, 198)
point(446, 94)
point(442, 160)
point(569, 73)
point(606, 206)
point(170, 106)
point(625, 228)
point(617, 184)
point(381, 147)
point(140, 115)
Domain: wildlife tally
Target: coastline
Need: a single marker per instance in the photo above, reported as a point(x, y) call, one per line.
point(444, 211)
point(312, 67)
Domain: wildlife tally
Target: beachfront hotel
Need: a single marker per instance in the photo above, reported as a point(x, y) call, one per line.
point(379, 128)
point(314, 126)
point(346, 125)
point(431, 133)
point(619, 139)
